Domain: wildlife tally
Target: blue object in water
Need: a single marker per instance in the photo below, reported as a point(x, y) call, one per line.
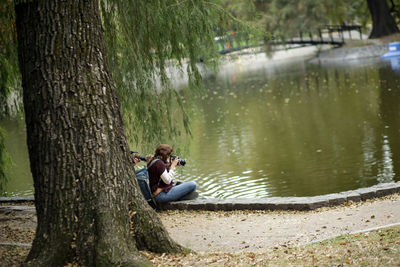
point(394, 62)
point(394, 50)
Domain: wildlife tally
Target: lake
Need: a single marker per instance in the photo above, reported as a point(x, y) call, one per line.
point(279, 128)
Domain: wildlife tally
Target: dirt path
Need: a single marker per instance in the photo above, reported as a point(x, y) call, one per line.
point(239, 231)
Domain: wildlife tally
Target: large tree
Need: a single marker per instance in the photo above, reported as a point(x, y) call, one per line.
point(383, 22)
point(88, 206)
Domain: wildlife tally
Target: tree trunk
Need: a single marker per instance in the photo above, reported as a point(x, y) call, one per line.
point(79, 156)
point(382, 21)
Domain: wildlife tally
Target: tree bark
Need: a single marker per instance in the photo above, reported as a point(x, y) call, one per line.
point(383, 23)
point(83, 178)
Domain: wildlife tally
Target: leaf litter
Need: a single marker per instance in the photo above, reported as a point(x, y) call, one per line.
point(375, 248)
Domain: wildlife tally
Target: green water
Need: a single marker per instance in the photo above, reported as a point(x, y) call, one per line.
point(297, 129)
point(281, 129)
point(19, 178)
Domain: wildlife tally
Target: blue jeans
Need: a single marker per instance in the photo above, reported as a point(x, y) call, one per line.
point(176, 192)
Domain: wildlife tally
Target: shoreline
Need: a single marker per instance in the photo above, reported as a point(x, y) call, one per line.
point(351, 53)
point(272, 203)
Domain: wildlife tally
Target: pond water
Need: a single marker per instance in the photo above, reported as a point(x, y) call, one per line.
point(281, 128)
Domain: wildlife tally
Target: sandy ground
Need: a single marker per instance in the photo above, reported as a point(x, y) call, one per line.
point(239, 231)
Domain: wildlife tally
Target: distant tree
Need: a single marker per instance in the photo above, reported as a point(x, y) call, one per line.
point(383, 22)
point(283, 18)
point(286, 18)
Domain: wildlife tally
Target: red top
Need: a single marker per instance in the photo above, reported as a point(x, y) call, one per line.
point(155, 172)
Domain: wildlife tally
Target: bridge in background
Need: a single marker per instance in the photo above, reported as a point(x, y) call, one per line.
point(329, 34)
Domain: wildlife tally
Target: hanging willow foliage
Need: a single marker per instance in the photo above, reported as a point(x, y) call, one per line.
point(145, 40)
point(9, 76)
point(9, 72)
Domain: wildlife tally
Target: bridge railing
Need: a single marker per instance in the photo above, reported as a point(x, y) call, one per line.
point(340, 29)
point(328, 34)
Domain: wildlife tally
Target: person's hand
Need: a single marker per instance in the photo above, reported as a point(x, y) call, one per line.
point(174, 163)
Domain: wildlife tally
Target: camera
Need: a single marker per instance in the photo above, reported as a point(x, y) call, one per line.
point(182, 162)
point(137, 155)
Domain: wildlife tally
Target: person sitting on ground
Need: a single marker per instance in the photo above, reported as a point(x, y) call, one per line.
point(162, 175)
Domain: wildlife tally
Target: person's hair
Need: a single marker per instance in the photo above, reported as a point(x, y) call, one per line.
point(163, 152)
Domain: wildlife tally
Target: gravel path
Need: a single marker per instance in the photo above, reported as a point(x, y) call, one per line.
point(239, 231)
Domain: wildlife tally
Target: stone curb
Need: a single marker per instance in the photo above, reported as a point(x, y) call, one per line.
point(272, 203)
point(16, 199)
point(285, 203)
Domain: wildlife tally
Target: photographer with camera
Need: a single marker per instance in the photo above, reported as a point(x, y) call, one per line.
point(162, 175)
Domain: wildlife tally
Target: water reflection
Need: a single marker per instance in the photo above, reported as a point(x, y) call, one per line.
point(296, 129)
point(390, 114)
point(19, 182)
point(395, 63)
point(282, 129)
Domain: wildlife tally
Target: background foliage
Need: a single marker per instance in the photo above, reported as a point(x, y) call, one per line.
point(9, 75)
point(145, 41)
point(9, 72)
